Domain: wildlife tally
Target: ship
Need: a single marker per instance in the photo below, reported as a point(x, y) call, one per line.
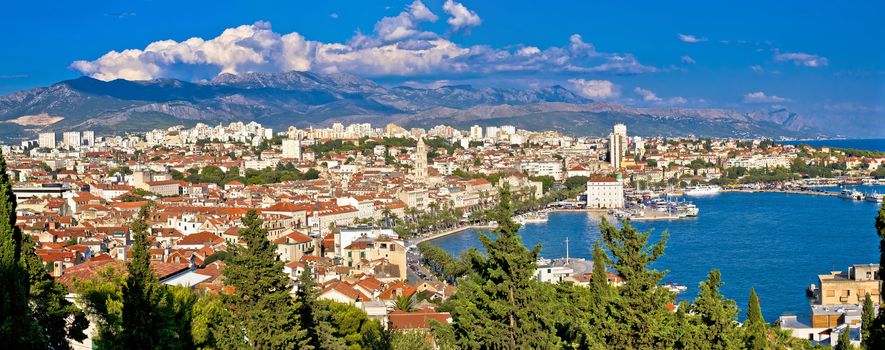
point(873, 197)
point(851, 194)
point(702, 190)
point(674, 287)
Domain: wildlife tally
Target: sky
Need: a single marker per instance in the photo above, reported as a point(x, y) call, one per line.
point(824, 59)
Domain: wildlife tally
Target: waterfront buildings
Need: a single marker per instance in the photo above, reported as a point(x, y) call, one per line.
point(605, 193)
point(851, 286)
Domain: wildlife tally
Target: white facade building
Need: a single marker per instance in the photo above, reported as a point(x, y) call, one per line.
point(617, 145)
point(475, 133)
point(292, 149)
point(605, 193)
point(71, 139)
point(46, 140)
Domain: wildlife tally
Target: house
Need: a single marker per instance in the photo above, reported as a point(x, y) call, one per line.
point(849, 287)
point(343, 293)
point(401, 320)
point(294, 245)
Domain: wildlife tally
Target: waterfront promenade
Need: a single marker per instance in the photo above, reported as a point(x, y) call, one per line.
point(808, 192)
point(455, 230)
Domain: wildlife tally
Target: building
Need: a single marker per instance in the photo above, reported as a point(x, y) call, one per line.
point(89, 138)
point(292, 149)
point(849, 287)
point(605, 193)
point(46, 140)
point(475, 133)
point(421, 161)
point(71, 139)
point(617, 145)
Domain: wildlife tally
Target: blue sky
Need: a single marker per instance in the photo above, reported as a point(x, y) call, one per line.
point(823, 59)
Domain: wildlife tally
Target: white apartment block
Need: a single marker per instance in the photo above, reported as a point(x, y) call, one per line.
point(71, 139)
point(292, 149)
point(542, 168)
point(46, 140)
point(605, 193)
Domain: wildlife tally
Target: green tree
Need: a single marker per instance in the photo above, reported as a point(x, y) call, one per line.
point(874, 336)
point(264, 315)
point(404, 303)
point(867, 318)
point(755, 327)
point(644, 322)
point(18, 327)
point(498, 304)
point(844, 340)
point(315, 316)
point(716, 314)
point(59, 319)
point(142, 322)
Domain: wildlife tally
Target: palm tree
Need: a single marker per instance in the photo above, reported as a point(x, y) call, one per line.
point(404, 303)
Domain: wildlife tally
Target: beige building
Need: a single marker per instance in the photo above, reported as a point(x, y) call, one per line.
point(850, 287)
point(366, 250)
point(605, 193)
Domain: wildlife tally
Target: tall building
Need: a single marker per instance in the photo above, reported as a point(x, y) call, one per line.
point(476, 133)
point(292, 149)
point(89, 138)
point(617, 145)
point(71, 139)
point(46, 140)
point(421, 161)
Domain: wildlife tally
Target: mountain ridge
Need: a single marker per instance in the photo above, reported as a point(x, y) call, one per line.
point(307, 98)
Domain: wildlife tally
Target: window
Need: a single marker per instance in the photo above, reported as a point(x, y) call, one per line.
point(831, 293)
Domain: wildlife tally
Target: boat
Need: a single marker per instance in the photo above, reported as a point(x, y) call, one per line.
point(851, 194)
point(702, 190)
point(687, 209)
point(535, 218)
point(873, 197)
point(674, 287)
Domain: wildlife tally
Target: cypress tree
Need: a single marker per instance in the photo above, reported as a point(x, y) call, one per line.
point(844, 340)
point(18, 327)
point(874, 334)
point(142, 321)
point(264, 315)
point(867, 318)
point(755, 326)
point(716, 314)
point(315, 318)
point(499, 304)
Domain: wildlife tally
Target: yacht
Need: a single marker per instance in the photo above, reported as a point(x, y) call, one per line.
point(873, 197)
point(675, 287)
point(851, 194)
point(687, 209)
point(701, 190)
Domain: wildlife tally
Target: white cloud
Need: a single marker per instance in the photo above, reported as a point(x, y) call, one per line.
point(647, 95)
point(761, 97)
point(397, 47)
point(802, 59)
point(333, 15)
point(756, 68)
point(528, 51)
point(600, 89)
point(460, 16)
point(678, 100)
point(687, 59)
point(688, 38)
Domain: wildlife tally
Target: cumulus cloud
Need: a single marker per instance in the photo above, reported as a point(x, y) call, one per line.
point(687, 59)
point(802, 59)
point(678, 100)
point(460, 17)
point(647, 95)
point(761, 97)
point(397, 47)
point(599, 89)
point(688, 38)
point(333, 15)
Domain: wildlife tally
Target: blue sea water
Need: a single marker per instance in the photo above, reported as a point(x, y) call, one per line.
point(773, 242)
point(864, 144)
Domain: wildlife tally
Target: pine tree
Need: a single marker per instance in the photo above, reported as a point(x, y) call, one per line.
point(755, 326)
point(643, 322)
point(264, 315)
point(18, 327)
point(498, 304)
point(874, 334)
point(716, 314)
point(142, 321)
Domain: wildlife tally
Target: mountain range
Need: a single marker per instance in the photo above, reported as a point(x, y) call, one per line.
point(305, 98)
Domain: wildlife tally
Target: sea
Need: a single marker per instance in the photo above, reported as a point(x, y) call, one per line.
point(774, 242)
point(864, 144)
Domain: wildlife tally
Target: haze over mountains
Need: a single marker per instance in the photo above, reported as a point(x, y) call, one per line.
point(305, 98)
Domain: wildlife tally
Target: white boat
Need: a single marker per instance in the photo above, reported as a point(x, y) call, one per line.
point(702, 190)
point(687, 209)
point(873, 197)
point(675, 287)
point(851, 194)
